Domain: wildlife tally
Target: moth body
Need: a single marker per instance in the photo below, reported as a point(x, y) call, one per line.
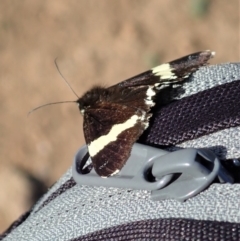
point(115, 117)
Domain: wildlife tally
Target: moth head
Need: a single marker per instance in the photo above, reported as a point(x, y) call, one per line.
point(90, 98)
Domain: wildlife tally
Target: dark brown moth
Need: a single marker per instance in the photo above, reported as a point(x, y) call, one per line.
point(115, 117)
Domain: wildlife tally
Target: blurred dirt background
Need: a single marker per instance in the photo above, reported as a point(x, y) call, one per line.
point(96, 42)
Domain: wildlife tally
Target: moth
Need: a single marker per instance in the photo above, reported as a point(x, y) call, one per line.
point(115, 117)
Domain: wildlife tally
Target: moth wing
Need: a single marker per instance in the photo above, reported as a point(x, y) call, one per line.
point(171, 72)
point(110, 130)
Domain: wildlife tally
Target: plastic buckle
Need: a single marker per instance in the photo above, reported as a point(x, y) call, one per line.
point(179, 175)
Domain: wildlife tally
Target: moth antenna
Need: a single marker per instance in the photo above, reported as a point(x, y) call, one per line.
point(55, 61)
point(53, 103)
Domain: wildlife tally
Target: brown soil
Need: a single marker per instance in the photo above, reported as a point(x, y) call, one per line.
point(96, 42)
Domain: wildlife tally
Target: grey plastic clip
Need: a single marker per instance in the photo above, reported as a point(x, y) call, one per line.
point(180, 175)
